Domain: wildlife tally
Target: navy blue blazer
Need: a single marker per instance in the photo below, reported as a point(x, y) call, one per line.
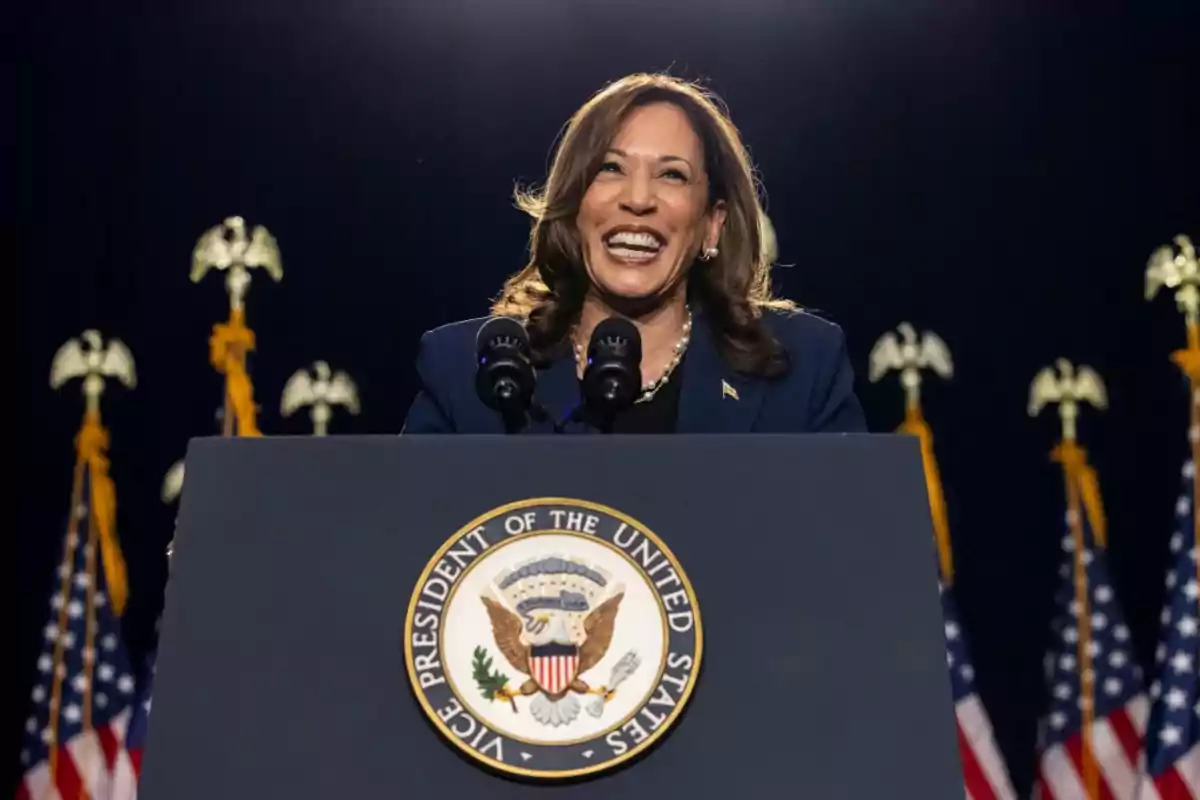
point(816, 395)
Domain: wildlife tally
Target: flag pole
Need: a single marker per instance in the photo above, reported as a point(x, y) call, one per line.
point(1178, 268)
point(90, 359)
point(90, 625)
point(909, 355)
point(914, 424)
point(1071, 457)
point(1067, 389)
point(58, 663)
point(227, 247)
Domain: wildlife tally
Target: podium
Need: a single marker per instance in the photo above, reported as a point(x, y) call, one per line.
point(734, 616)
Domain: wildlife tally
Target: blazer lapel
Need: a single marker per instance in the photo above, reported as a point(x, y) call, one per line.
point(714, 398)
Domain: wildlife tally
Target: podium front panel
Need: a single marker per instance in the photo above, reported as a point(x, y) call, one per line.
point(281, 669)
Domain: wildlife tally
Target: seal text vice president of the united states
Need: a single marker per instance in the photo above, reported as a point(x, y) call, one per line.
point(651, 214)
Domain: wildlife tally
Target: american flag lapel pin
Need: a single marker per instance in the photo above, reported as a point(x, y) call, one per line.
point(728, 391)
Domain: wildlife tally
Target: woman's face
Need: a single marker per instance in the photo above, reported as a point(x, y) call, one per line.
point(645, 217)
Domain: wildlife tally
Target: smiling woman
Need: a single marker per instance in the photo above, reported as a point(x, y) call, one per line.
point(651, 214)
point(630, 261)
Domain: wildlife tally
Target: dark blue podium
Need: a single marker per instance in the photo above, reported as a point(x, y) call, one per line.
point(745, 616)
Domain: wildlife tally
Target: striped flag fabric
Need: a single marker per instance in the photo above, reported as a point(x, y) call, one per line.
point(1119, 706)
point(1173, 733)
point(83, 700)
point(985, 774)
point(139, 724)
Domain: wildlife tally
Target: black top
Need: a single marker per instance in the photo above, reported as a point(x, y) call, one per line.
point(657, 415)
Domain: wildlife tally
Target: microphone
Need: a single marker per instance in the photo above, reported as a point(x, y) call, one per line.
point(504, 376)
point(613, 374)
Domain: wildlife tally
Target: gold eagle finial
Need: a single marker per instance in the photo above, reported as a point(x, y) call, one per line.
point(1068, 387)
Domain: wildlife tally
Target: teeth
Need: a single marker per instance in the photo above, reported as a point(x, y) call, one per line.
point(627, 254)
point(631, 239)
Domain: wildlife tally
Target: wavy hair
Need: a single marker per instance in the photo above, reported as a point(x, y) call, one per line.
point(732, 290)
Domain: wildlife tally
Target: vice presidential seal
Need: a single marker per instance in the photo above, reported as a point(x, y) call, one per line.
point(552, 638)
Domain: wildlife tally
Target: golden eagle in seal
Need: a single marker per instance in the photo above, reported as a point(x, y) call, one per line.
point(554, 649)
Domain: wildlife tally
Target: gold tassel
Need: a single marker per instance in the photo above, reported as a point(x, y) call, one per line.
point(915, 425)
point(227, 348)
point(1083, 475)
point(91, 445)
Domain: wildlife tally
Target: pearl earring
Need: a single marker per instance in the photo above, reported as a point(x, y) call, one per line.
point(708, 254)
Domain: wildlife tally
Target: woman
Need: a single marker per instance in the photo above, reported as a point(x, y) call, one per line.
point(650, 213)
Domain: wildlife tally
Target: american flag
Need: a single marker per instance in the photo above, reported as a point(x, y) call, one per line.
point(1173, 736)
point(85, 698)
point(985, 775)
point(139, 725)
point(984, 772)
point(1120, 704)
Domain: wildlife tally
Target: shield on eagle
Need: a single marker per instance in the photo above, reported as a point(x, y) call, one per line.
point(554, 666)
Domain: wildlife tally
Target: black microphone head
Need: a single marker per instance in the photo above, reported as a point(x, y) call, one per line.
point(616, 338)
point(501, 332)
point(504, 376)
point(613, 375)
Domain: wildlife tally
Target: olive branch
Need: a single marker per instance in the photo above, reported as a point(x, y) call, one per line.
point(491, 682)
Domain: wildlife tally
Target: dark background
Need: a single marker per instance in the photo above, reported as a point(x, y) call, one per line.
point(998, 173)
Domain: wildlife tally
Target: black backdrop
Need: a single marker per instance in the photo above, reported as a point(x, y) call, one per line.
point(997, 176)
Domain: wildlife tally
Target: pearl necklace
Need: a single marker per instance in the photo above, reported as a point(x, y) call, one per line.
point(652, 388)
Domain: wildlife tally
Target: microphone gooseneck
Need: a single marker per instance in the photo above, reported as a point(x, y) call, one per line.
point(504, 374)
point(612, 376)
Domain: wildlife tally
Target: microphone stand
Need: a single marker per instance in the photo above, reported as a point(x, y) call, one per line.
point(514, 422)
point(512, 410)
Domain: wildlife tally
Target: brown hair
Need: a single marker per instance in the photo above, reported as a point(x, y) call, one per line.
point(732, 289)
